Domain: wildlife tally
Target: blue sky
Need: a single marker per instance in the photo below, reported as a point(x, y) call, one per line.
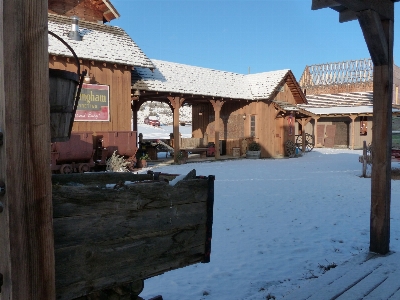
point(242, 35)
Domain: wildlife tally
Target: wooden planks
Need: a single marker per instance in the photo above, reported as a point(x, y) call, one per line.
point(105, 237)
point(364, 277)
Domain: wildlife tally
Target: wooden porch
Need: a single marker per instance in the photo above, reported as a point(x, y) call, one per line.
point(366, 276)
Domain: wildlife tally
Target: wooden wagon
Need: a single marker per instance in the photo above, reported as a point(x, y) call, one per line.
point(113, 230)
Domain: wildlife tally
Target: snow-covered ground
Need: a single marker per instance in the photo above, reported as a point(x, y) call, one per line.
point(163, 112)
point(276, 221)
point(151, 132)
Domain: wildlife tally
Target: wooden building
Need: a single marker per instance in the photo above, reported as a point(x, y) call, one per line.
point(98, 11)
point(340, 102)
point(228, 109)
point(109, 55)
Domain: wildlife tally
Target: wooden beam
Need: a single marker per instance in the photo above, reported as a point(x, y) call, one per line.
point(383, 7)
point(217, 105)
point(347, 15)
point(26, 221)
point(176, 103)
point(374, 35)
point(382, 144)
point(318, 4)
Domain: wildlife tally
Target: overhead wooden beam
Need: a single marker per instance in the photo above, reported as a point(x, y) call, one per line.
point(347, 15)
point(318, 4)
point(384, 7)
point(371, 26)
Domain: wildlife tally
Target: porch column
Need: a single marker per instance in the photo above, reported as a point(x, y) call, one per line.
point(316, 131)
point(304, 122)
point(135, 106)
point(176, 103)
point(217, 105)
point(353, 130)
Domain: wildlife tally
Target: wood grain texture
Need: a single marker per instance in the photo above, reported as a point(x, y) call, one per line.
point(105, 237)
point(26, 238)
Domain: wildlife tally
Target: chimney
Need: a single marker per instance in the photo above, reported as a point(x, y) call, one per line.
point(74, 33)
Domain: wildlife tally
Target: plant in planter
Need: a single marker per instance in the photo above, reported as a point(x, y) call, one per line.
point(254, 150)
point(142, 160)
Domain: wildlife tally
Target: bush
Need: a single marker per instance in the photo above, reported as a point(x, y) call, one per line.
point(117, 163)
point(254, 146)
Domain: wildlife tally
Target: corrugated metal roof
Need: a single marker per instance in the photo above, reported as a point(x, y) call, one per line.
point(179, 78)
point(100, 42)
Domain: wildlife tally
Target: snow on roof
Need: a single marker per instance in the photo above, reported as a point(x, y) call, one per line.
point(335, 110)
point(186, 79)
point(100, 42)
point(341, 104)
point(340, 99)
point(263, 85)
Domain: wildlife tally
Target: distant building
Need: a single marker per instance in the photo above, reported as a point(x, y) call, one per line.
point(229, 108)
point(339, 101)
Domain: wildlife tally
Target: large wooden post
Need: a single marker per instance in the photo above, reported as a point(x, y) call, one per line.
point(217, 105)
point(176, 103)
point(26, 219)
point(376, 19)
point(379, 37)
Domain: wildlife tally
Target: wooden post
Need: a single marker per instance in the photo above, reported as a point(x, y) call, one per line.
point(135, 106)
point(365, 160)
point(217, 105)
point(353, 130)
point(379, 37)
point(316, 132)
point(26, 218)
point(176, 103)
point(376, 19)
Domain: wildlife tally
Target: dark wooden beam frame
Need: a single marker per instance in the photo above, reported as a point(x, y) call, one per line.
point(376, 19)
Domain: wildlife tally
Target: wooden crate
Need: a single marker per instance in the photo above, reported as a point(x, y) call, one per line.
point(107, 236)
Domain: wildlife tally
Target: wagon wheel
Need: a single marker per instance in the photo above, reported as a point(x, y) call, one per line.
point(290, 148)
point(66, 169)
point(309, 142)
point(84, 168)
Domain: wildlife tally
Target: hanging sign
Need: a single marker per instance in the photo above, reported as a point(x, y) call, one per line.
point(94, 103)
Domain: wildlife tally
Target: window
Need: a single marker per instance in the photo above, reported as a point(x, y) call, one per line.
point(363, 125)
point(253, 126)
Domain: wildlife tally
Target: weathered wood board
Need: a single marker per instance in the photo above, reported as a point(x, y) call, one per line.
point(105, 237)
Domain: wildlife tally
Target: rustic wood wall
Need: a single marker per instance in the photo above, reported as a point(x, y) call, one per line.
point(81, 8)
point(272, 130)
point(340, 88)
point(358, 139)
point(118, 77)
